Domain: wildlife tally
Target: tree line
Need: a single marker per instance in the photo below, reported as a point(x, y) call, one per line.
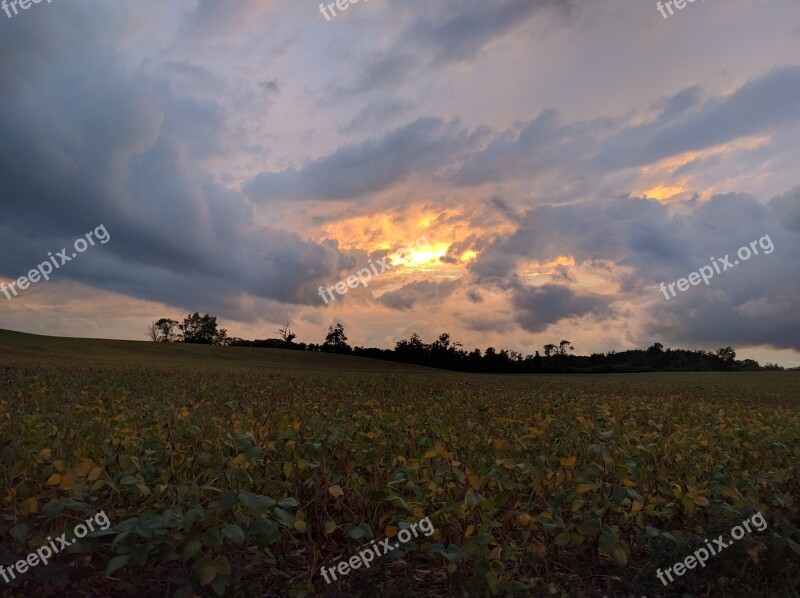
point(444, 353)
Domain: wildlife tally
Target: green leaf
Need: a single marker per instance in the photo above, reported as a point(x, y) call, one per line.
point(288, 502)
point(118, 562)
point(608, 540)
point(190, 549)
point(591, 527)
point(562, 540)
point(356, 533)
point(19, 532)
point(223, 565)
point(255, 502)
point(620, 556)
point(795, 547)
point(635, 495)
point(234, 533)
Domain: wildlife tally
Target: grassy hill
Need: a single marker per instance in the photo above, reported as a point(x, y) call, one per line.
point(27, 347)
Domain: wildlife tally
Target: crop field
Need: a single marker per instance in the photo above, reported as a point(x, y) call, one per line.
point(242, 472)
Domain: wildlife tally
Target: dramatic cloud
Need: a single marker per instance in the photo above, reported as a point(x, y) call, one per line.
point(241, 155)
point(367, 167)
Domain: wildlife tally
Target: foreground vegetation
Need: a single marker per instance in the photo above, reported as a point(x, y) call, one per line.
point(224, 473)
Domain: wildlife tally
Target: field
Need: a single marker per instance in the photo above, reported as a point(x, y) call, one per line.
point(230, 471)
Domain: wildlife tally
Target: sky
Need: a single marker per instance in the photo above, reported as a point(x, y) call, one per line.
point(560, 158)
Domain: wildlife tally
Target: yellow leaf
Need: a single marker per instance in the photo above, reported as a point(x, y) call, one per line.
point(239, 460)
point(67, 482)
point(470, 531)
point(330, 527)
point(701, 500)
point(577, 538)
point(430, 454)
point(336, 491)
point(287, 469)
point(30, 505)
point(296, 425)
point(300, 526)
point(584, 488)
point(569, 461)
point(452, 567)
point(636, 506)
point(54, 480)
point(620, 556)
point(84, 468)
point(391, 531)
point(207, 574)
point(629, 483)
point(94, 474)
point(494, 555)
point(59, 465)
point(523, 520)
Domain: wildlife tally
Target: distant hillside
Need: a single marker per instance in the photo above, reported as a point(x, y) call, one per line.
point(22, 346)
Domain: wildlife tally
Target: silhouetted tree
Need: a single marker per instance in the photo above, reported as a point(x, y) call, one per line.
point(286, 334)
point(202, 330)
point(727, 356)
point(166, 333)
point(563, 346)
point(336, 341)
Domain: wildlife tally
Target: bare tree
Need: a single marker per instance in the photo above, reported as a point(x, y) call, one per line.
point(286, 333)
point(153, 332)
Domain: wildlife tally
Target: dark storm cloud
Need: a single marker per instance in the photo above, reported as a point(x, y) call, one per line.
point(539, 307)
point(449, 32)
point(422, 291)
point(577, 154)
point(368, 166)
point(760, 106)
point(641, 244)
point(682, 123)
point(459, 30)
point(124, 150)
